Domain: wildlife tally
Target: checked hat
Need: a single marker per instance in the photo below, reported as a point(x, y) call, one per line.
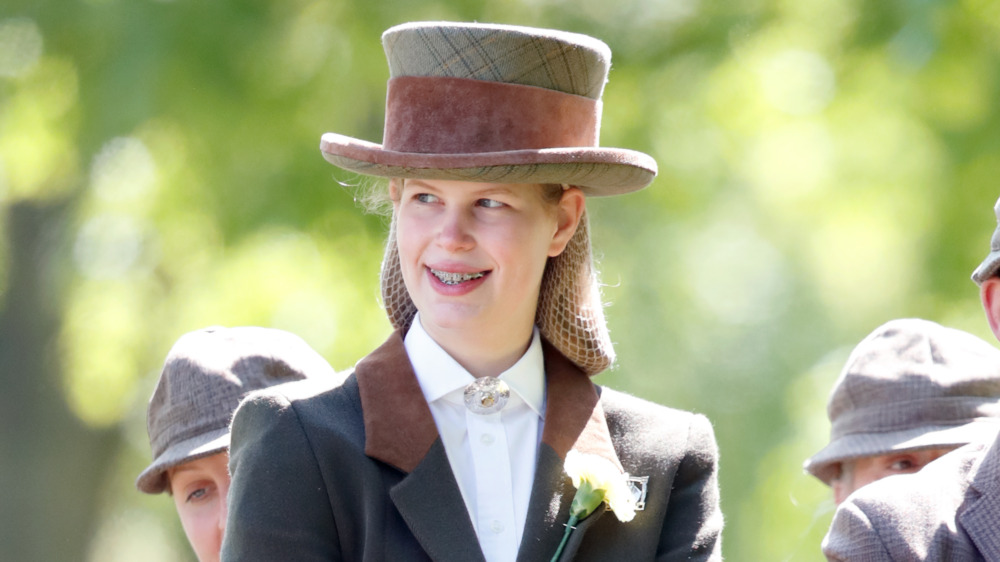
point(205, 376)
point(494, 103)
point(911, 384)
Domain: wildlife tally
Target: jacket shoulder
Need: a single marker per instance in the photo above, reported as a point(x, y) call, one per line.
point(303, 392)
point(639, 424)
point(627, 404)
point(330, 406)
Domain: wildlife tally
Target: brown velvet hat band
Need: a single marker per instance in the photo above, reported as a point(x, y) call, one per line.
point(440, 115)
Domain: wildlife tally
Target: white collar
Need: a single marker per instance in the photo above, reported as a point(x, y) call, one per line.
point(439, 374)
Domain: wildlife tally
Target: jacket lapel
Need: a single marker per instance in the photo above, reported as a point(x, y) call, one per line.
point(400, 431)
point(429, 500)
point(574, 419)
point(399, 427)
point(982, 517)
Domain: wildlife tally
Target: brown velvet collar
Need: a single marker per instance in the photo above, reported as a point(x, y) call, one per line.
point(399, 427)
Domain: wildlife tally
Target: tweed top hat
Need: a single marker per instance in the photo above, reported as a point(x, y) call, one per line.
point(502, 104)
point(494, 103)
point(911, 384)
point(991, 264)
point(205, 375)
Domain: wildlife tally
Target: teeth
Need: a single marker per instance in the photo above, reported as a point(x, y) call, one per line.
point(449, 278)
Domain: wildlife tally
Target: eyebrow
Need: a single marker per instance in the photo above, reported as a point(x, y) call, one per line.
point(485, 191)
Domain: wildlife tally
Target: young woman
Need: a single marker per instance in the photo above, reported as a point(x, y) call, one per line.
point(448, 442)
point(205, 375)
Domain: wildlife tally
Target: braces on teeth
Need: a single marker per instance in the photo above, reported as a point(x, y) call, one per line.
point(449, 278)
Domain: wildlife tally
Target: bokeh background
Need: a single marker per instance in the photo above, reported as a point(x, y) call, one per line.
point(824, 167)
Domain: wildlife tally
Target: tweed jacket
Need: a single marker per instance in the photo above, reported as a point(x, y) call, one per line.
point(950, 510)
point(358, 472)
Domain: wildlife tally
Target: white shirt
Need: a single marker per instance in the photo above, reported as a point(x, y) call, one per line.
point(493, 455)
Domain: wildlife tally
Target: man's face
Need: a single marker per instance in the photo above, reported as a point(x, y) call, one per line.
point(859, 472)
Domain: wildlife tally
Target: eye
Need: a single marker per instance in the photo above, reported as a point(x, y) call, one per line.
point(199, 494)
point(425, 198)
point(489, 203)
point(905, 463)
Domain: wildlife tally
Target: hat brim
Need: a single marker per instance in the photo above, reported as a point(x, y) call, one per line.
point(988, 268)
point(153, 480)
point(595, 170)
point(823, 465)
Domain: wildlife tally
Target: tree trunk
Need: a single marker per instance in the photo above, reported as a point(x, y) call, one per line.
point(51, 464)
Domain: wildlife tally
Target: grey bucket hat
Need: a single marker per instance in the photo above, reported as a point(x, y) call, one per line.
point(991, 264)
point(205, 375)
point(911, 384)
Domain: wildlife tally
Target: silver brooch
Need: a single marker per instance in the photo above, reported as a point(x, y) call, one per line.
point(486, 395)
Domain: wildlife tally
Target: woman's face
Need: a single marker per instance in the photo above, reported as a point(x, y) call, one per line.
point(472, 254)
point(199, 488)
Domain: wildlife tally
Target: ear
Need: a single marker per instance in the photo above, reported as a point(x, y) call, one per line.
point(571, 207)
point(989, 293)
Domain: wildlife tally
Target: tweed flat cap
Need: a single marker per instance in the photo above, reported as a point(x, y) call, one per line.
point(911, 384)
point(991, 264)
point(494, 103)
point(205, 375)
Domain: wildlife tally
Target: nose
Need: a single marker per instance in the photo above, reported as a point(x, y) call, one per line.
point(455, 233)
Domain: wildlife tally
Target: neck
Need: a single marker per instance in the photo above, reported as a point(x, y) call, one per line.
point(483, 353)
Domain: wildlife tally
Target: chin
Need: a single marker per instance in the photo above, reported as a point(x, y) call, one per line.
point(452, 316)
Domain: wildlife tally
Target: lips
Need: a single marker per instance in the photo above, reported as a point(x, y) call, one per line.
point(453, 278)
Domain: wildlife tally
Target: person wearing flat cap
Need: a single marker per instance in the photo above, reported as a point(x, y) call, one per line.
point(205, 375)
point(464, 435)
point(911, 391)
point(950, 510)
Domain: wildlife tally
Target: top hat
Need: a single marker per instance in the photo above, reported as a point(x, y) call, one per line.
point(911, 384)
point(494, 103)
point(205, 375)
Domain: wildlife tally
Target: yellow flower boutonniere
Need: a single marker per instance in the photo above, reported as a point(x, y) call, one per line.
point(597, 480)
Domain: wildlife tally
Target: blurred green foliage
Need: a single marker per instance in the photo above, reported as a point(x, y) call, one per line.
point(824, 167)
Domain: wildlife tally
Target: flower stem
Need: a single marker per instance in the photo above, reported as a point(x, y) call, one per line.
point(573, 520)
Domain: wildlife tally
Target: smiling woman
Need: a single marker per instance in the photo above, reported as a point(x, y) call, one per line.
point(448, 441)
point(472, 257)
